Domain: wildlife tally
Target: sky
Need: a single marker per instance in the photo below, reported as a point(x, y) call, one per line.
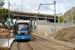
point(32, 5)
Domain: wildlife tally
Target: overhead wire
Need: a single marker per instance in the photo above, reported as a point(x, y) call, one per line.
point(43, 1)
point(13, 1)
point(44, 7)
point(12, 5)
point(22, 6)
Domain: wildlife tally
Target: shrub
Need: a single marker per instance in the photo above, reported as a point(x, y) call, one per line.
point(60, 19)
point(65, 21)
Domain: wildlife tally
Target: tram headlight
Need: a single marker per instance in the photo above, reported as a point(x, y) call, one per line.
point(26, 33)
point(18, 32)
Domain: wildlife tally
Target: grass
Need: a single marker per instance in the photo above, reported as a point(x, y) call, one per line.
point(57, 34)
point(31, 29)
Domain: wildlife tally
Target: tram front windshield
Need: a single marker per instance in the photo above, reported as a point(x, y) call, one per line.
point(22, 28)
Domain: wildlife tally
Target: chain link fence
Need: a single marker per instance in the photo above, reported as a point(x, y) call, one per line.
point(63, 25)
point(47, 28)
point(69, 23)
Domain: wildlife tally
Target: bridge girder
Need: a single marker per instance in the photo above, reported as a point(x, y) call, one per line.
point(27, 15)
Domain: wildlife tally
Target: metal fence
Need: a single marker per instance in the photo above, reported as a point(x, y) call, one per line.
point(44, 22)
point(69, 23)
point(63, 25)
point(6, 35)
point(50, 25)
point(47, 28)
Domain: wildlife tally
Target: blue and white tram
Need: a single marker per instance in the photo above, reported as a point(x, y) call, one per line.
point(22, 30)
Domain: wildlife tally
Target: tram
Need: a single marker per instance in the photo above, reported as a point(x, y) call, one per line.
point(22, 30)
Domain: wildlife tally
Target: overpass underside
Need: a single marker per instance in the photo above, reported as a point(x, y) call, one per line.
point(33, 16)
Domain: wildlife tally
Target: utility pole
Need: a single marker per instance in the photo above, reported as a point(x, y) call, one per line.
point(37, 23)
point(9, 20)
point(72, 11)
point(55, 17)
point(0, 3)
point(54, 3)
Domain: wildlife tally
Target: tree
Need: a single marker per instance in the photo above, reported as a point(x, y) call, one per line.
point(60, 19)
point(1, 3)
point(4, 15)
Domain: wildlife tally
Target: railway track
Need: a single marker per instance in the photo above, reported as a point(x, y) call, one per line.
point(21, 46)
point(38, 43)
point(53, 45)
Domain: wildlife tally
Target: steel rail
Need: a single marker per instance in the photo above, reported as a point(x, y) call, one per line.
point(30, 46)
point(37, 37)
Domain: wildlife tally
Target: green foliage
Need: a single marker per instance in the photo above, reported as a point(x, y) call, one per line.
point(4, 15)
point(57, 34)
point(60, 19)
point(65, 21)
point(2, 3)
point(12, 27)
point(0, 26)
point(74, 17)
point(32, 29)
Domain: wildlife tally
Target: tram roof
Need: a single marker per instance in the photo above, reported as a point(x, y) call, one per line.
point(23, 21)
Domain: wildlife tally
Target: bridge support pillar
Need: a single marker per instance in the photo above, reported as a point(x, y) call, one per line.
point(17, 18)
point(31, 22)
point(34, 25)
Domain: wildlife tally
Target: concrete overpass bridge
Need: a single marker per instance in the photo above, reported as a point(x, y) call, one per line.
point(33, 16)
